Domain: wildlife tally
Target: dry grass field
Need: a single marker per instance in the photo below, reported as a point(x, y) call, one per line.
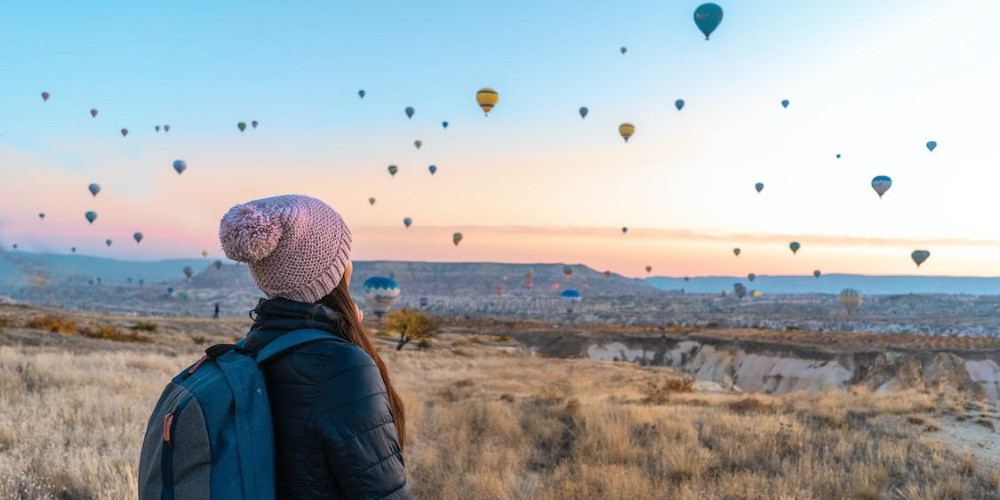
point(489, 420)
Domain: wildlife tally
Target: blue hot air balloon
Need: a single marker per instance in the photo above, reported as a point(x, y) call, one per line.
point(931, 145)
point(380, 294)
point(170, 290)
point(137, 237)
point(409, 111)
point(424, 302)
point(180, 166)
point(881, 184)
point(759, 186)
point(407, 221)
point(708, 16)
point(361, 93)
point(784, 103)
point(794, 246)
point(624, 230)
point(444, 124)
point(432, 169)
point(584, 111)
point(94, 189)
point(919, 256)
point(679, 103)
point(571, 297)
point(91, 216)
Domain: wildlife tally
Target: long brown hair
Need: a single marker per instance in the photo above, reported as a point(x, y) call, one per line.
point(340, 301)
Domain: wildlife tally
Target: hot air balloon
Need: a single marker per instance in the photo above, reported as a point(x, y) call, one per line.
point(393, 169)
point(444, 124)
point(687, 278)
point(530, 273)
point(371, 201)
point(679, 104)
point(751, 277)
point(817, 273)
point(919, 256)
point(242, 126)
point(14, 246)
point(784, 103)
point(850, 298)
point(736, 252)
point(156, 127)
point(166, 128)
point(107, 242)
point(407, 221)
point(124, 132)
point(626, 130)
point(838, 156)
point(45, 96)
point(624, 230)
point(217, 264)
point(707, 17)
point(41, 216)
point(931, 145)
point(254, 124)
point(739, 290)
point(380, 294)
point(94, 189)
point(93, 113)
point(584, 111)
point(137, 237)
point(409, 111)
point(725, 293)
point(528, 283)
point(571, 297)
point(418, 143)
point(170, 290)
point(607, 275)
point(794, 246)
point(623, 50)
point(457, 237)
point(649, 269)
point(204, 253)
point(759, 186)
point(498, 290)
point(756, 294)
point(432, 169)
point(180, 166)
point(881, 184)
point(91, 216)
point(567, 271)
point(188, 272)
point(487, 98)
point(73, 249)
point(424, 302)
point(361, 94)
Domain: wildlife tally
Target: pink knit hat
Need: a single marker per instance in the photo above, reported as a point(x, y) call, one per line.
point(297, 247)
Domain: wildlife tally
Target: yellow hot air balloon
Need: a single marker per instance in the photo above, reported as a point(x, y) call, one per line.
point(204, 253)
point(626, 130)
point(487, 98)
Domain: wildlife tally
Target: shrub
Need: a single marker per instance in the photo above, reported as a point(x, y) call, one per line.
point(412, 325)
point(198, 339)
point(108, 333)
point(53, 324)
point(658, 395)
point(5, 322)
point(502, 338)
point(145, 327)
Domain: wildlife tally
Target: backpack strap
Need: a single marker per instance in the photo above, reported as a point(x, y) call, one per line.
point(292, 340)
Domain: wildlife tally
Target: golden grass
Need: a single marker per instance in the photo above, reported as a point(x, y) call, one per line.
point(492, 422)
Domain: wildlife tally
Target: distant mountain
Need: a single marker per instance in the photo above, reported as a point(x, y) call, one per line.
point(834, 283)
point(17, 268)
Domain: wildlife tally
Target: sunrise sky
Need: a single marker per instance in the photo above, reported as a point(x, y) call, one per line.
point(533, 182)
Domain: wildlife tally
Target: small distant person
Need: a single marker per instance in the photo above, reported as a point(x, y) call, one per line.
point(216, 314)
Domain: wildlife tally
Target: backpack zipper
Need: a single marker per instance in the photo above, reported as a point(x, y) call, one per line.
point(167, 456)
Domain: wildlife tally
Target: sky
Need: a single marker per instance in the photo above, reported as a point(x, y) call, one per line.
point(533, 182)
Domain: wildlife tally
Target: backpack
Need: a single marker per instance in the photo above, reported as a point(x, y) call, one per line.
point(210, 435)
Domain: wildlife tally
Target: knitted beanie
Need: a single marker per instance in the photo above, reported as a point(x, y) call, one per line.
point(296, 247)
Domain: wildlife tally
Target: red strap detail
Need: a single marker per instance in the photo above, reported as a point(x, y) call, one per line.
point(167, 421)
point(198, 364)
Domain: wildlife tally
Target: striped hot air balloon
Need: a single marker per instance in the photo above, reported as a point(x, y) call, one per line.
point(487, 98)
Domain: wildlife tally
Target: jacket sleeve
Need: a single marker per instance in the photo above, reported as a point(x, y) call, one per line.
point(353, 419)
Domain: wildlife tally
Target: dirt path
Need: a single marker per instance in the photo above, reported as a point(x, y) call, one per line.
point(975, 434)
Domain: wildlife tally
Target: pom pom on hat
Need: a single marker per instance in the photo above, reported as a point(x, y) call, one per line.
point(248, 234)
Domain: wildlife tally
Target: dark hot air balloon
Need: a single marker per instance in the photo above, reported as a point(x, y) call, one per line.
point(407, 221)
point(409, 111)
point(188, 272)
point(817, 273)
point(156, 128)
point(794, 246)
point(242, 126)
point(881, 184)
point(371, 201)
point(361, 94)
point(393, 169)
point(931, 145)
point(736, 252)
point(444, 124)
point(751, 277)
point(180, 166)
point(919, 256)
point(432, 169)
point(584, 111)
point(784, 103)
point(166, 128)
point(759, 186)
point(456, 238)
point(41, 216)
point(567, 271)
point(107, 242)
point(707, 17)
point(91, 216)
point(254, 124)
point(623, 50)
point(93, 113)
point(45, 96)
point(124, 132)
point(137, 237)
point(217, 264)
point(94, 189)
point(679, 104)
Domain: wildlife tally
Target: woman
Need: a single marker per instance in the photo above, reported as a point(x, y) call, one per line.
point(338, 422)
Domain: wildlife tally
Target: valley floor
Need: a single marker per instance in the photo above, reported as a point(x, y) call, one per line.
point(490, 418)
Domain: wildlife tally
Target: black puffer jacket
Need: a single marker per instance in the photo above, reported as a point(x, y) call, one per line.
point(333, 431)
